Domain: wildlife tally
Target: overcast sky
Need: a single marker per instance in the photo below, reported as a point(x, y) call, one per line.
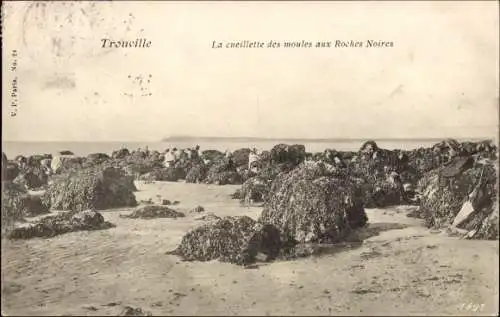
point(440, 79)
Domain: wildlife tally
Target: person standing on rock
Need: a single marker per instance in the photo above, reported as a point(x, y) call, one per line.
point(195, 155)
point(253, 158)
point(169, 159)
point(175, 153)
point(45, 165)
point(229, 158)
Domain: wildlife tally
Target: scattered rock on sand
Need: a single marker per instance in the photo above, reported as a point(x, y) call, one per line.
point(170, 174)
point(166, 202)
point(153, 211)
point(230, 239)
point(93, 188)
point(209, 217)
point(61, 223)
point(311, 205)
point(131, 311)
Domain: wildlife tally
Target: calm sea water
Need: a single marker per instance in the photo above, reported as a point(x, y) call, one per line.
point(11, 149)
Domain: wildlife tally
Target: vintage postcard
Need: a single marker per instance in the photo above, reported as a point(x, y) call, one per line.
point(250, 158)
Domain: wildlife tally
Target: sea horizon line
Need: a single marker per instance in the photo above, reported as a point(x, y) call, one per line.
point(262, 139)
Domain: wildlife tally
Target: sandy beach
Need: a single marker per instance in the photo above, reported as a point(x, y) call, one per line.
point(401, 268)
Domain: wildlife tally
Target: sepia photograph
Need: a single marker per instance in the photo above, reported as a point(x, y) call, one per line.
point(250, 158)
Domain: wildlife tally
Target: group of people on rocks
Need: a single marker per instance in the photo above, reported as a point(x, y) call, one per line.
point(174, 155)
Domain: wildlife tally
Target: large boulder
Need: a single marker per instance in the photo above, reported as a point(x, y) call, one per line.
point(212, 155)
point(10, 171)
point(222, 173)
point(254, 189)
point(169, 174)
point(312, 204)
point(120, 154)
point(197, 174)
point(240, 157)
point(67, 164)
point(236, 240)
point(32, 177)
point(92, 188)
point(446, 195)
point(17, 203)
point(96, 158)
point(284, 153)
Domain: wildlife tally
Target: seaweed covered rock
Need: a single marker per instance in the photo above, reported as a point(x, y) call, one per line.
point(96, 159)
point(284, 153)
point(66, 164)
point(383, 192)
point(240, 157)
point(197, 174)
point(245, 173)
point(271, 171)
point(32, 178)
point(486, 149)
point(212, 155)
point(120, 154)
point(223, 173)
point(465, 199)
point(93, 188)
point(169, 174)
point(137, 164)
point(153, 211)
point(254, 189)
point(12, 201)
point(236, 240)
point(10, 171)
point(17, 203)
point(131, 311)
point(53, 225)
point(312, 204)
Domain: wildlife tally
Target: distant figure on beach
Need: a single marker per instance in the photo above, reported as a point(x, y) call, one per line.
point(169, 159)
point(175, 153)
point(229, 158)
point(337, 161)
point(57, 161)
point(195, 153)
point(21, 161)
point(45, 165)
point(183, 156)
point(253, 158)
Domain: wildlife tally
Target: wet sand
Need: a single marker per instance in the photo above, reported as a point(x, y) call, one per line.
point(405, 269)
